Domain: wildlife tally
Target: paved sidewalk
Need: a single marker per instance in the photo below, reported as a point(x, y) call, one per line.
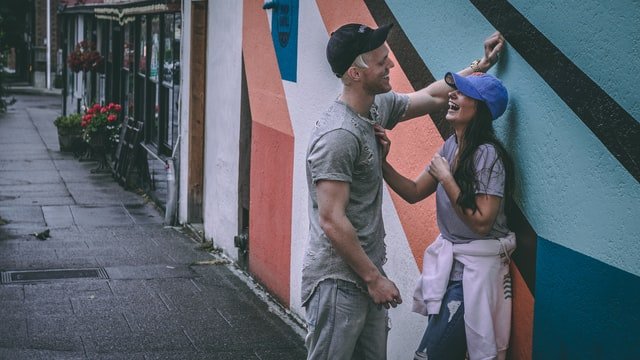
point(162, 296)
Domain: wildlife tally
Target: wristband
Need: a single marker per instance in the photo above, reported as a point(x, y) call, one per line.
point(475, 66)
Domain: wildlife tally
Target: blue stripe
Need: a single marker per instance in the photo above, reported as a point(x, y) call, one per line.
point(584, 309)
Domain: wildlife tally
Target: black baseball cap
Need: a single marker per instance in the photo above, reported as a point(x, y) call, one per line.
point(351, 40)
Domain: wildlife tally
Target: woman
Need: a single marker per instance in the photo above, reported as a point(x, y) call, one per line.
point(472, 177)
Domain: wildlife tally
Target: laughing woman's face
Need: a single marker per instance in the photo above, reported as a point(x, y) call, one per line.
point(461, 108)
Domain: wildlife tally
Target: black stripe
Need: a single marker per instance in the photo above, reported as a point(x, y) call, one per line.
point(612, 124)
point(416, 70)
point(419, 76)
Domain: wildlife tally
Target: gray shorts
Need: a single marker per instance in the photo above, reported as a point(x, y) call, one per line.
point(344, 323)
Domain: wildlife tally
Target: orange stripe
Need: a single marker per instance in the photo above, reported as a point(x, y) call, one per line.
point(414, 142)
point(272, 146)
point(522, 319)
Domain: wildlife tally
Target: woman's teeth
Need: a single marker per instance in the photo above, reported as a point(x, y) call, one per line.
point(453, 106)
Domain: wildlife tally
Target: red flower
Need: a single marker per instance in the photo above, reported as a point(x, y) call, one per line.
point(101, 120)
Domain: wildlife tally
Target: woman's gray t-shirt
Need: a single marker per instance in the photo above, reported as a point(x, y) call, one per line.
point(490, 176)
point(490, 180)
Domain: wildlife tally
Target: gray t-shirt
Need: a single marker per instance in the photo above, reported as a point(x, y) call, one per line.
point(490, 177)
point(343, 147)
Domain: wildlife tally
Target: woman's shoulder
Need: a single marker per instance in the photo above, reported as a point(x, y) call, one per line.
point(486, 149)
point(486, 155)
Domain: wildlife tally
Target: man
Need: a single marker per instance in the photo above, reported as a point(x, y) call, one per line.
point(344, 288)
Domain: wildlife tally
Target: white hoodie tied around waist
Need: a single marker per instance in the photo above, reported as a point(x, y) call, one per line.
point(486, 286)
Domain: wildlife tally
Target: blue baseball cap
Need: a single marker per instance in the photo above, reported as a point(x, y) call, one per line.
point(483, 87)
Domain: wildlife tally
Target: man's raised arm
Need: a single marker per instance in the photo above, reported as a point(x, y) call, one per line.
point(435, 96)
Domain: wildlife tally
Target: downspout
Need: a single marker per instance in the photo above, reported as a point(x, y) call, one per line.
point(48, 72)
point(172, 188)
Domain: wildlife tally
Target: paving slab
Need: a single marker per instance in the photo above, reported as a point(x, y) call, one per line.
point(104, 216)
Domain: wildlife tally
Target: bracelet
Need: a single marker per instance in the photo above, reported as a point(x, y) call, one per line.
point(475, 66)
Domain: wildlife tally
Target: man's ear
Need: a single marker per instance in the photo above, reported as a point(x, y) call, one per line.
point(354, 73)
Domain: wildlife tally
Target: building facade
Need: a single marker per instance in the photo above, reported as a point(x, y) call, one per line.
point(266, 81)
point(139, 68)
point(248, 83)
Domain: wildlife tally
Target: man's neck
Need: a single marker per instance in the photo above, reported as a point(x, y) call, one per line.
point(357, 101)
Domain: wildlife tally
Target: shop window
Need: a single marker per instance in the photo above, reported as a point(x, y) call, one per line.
point(157, 77)
point(127, 70)
point(141, 70)
point(71, 43)
point(153, 87)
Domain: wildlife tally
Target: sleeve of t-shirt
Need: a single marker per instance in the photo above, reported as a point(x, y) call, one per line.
point(333, 155)
point(489, 171)
point(393, 106)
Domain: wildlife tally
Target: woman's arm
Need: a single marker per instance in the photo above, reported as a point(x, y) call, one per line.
point(411, 191)
point(481, 221)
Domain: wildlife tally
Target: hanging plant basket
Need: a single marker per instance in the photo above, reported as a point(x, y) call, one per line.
point(85, 58)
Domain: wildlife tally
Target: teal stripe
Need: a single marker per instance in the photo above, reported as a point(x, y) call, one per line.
point(584, 309)
point(601, 37)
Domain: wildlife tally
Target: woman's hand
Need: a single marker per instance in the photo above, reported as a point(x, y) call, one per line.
point(439, 168)
point(381, 135)
point(493, 45)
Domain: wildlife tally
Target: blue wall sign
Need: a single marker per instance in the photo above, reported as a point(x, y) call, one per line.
point(284, 31)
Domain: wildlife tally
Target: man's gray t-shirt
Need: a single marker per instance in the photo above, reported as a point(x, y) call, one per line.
point(343, 147)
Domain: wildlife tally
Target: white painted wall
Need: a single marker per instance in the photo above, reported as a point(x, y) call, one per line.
point(407, 327)
point(222, 123)
point(185, 94)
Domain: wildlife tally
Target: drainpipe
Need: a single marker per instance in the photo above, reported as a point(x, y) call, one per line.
point(172, 188)
point(48, 72)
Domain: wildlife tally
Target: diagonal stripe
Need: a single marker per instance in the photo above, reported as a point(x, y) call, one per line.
point(416, 70)
point(613, 125)
point(272, 146)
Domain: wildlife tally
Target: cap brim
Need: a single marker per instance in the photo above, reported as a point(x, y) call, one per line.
point(378, 37)
point(463, 85)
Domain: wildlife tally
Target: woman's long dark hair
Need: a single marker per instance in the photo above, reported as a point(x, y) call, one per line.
point(478, 132)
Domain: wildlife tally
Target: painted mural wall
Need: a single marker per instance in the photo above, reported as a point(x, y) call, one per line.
point(571, 127)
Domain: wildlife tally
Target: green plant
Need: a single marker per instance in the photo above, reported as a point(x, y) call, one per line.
point(69, 124)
